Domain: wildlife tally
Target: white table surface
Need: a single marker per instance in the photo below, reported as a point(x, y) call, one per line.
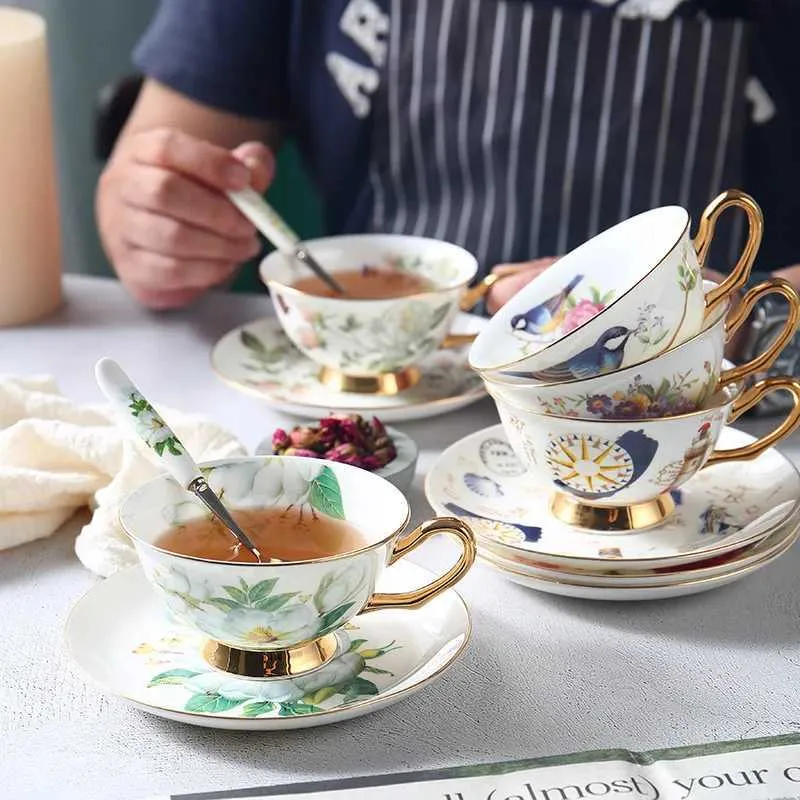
point(542, 676)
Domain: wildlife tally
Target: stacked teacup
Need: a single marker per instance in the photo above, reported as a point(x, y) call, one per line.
point(608, 369)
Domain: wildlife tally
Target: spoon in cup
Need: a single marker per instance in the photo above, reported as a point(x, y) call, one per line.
point(161, 439)
point(267, 220)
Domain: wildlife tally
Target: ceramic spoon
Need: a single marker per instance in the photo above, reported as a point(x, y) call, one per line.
point(267, 220)
point(161, 439)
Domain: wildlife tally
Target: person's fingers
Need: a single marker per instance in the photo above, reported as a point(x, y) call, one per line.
point(153, 274)
point(258, 158)
point(174, 195)
point(713, 275)
point(175, 239)
point(503, 270)
point(161, 300)
point(208, 163)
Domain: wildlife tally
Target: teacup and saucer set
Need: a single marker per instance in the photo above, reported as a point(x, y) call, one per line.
point(279, 644)
point(614, 474)
point(399, 358)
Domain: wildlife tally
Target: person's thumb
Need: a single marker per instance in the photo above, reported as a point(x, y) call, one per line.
point(258, 158)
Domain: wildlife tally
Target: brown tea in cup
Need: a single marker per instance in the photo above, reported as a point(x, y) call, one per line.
point(368, 283)
point(278, 533)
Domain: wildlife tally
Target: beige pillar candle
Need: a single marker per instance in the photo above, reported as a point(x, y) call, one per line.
point(30, 251)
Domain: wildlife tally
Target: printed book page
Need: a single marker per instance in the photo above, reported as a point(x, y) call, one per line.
point(759, 769)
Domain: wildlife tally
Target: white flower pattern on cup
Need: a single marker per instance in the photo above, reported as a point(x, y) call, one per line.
point(263, 614)
point(338, 683)
point(385, 342)
point(260, 616)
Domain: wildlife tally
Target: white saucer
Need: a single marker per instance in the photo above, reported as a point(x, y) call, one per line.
point(687, 586)
point(259, 359)
point(121, 639)
point(757, 553)
point(723, 508)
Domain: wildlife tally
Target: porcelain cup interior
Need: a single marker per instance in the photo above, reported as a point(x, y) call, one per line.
point(625, 296)
point(277, 606)
point(681, 380)
point(371, 337)
point(623, 463)
point(675, 382)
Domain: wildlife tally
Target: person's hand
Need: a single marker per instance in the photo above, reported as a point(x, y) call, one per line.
point(164, 220)
point(512, 278)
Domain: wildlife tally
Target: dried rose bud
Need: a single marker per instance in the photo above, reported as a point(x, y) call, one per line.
point(346, 438)
point(300, 451)
point(302, 437)
point(351, 431)
point(371, 463)
point(280, 440)
point(344, 450)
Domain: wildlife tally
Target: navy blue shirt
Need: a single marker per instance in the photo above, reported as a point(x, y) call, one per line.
point(303, 63)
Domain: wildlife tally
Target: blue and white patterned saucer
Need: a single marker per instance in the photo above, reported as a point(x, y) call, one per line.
point(723, 508)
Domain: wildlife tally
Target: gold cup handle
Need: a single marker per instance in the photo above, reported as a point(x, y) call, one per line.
point(418, 597)
point(468, 301)
point(749, 398)
point(766, 359)
point(705, 233)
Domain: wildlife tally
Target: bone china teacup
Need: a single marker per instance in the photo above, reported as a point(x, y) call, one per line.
point(374, 345)
point(625, 296)
point(618, 474)
point(280, 606)
point(675, 382)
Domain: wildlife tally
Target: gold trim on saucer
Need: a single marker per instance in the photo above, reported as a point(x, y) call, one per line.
point(407, 686)
point(608, 519)
point(387, 383)
point(710, 580)
point(272, 663)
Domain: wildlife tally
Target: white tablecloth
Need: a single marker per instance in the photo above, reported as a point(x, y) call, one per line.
point(542, 676)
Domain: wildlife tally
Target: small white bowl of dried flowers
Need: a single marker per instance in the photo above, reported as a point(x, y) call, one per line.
point(350, 439)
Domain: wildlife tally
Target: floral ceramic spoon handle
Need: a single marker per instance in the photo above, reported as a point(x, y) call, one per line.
point(161, 439)
point(267, 220)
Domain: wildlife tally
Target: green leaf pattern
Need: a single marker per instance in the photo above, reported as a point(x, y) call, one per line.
point(386, 341)
point(326, 494)
point(261, 614)
point(338, 683)
point(151, 426)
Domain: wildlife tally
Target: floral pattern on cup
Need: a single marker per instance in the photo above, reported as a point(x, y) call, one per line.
point(340, 682)
point(283, 606)
point(583, 310)
point(386, 341)
point(370, 337)
point(558, 318)
point(260, 615)
point(641, 400)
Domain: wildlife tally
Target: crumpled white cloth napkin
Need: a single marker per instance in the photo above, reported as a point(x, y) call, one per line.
point(57, 456)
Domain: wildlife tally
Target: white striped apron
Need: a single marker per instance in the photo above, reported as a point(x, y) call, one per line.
point(518, 130)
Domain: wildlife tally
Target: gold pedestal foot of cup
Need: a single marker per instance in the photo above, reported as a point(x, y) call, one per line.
point(273, 663)
point(612, 519)
point(388, 383)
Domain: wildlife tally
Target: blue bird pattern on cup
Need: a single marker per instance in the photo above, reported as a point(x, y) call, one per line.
point(547, 317)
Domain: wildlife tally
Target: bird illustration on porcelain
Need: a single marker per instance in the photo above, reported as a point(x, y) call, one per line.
point(546, 318)
point(714, 520)
point(605, 355)
point(592, 468)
